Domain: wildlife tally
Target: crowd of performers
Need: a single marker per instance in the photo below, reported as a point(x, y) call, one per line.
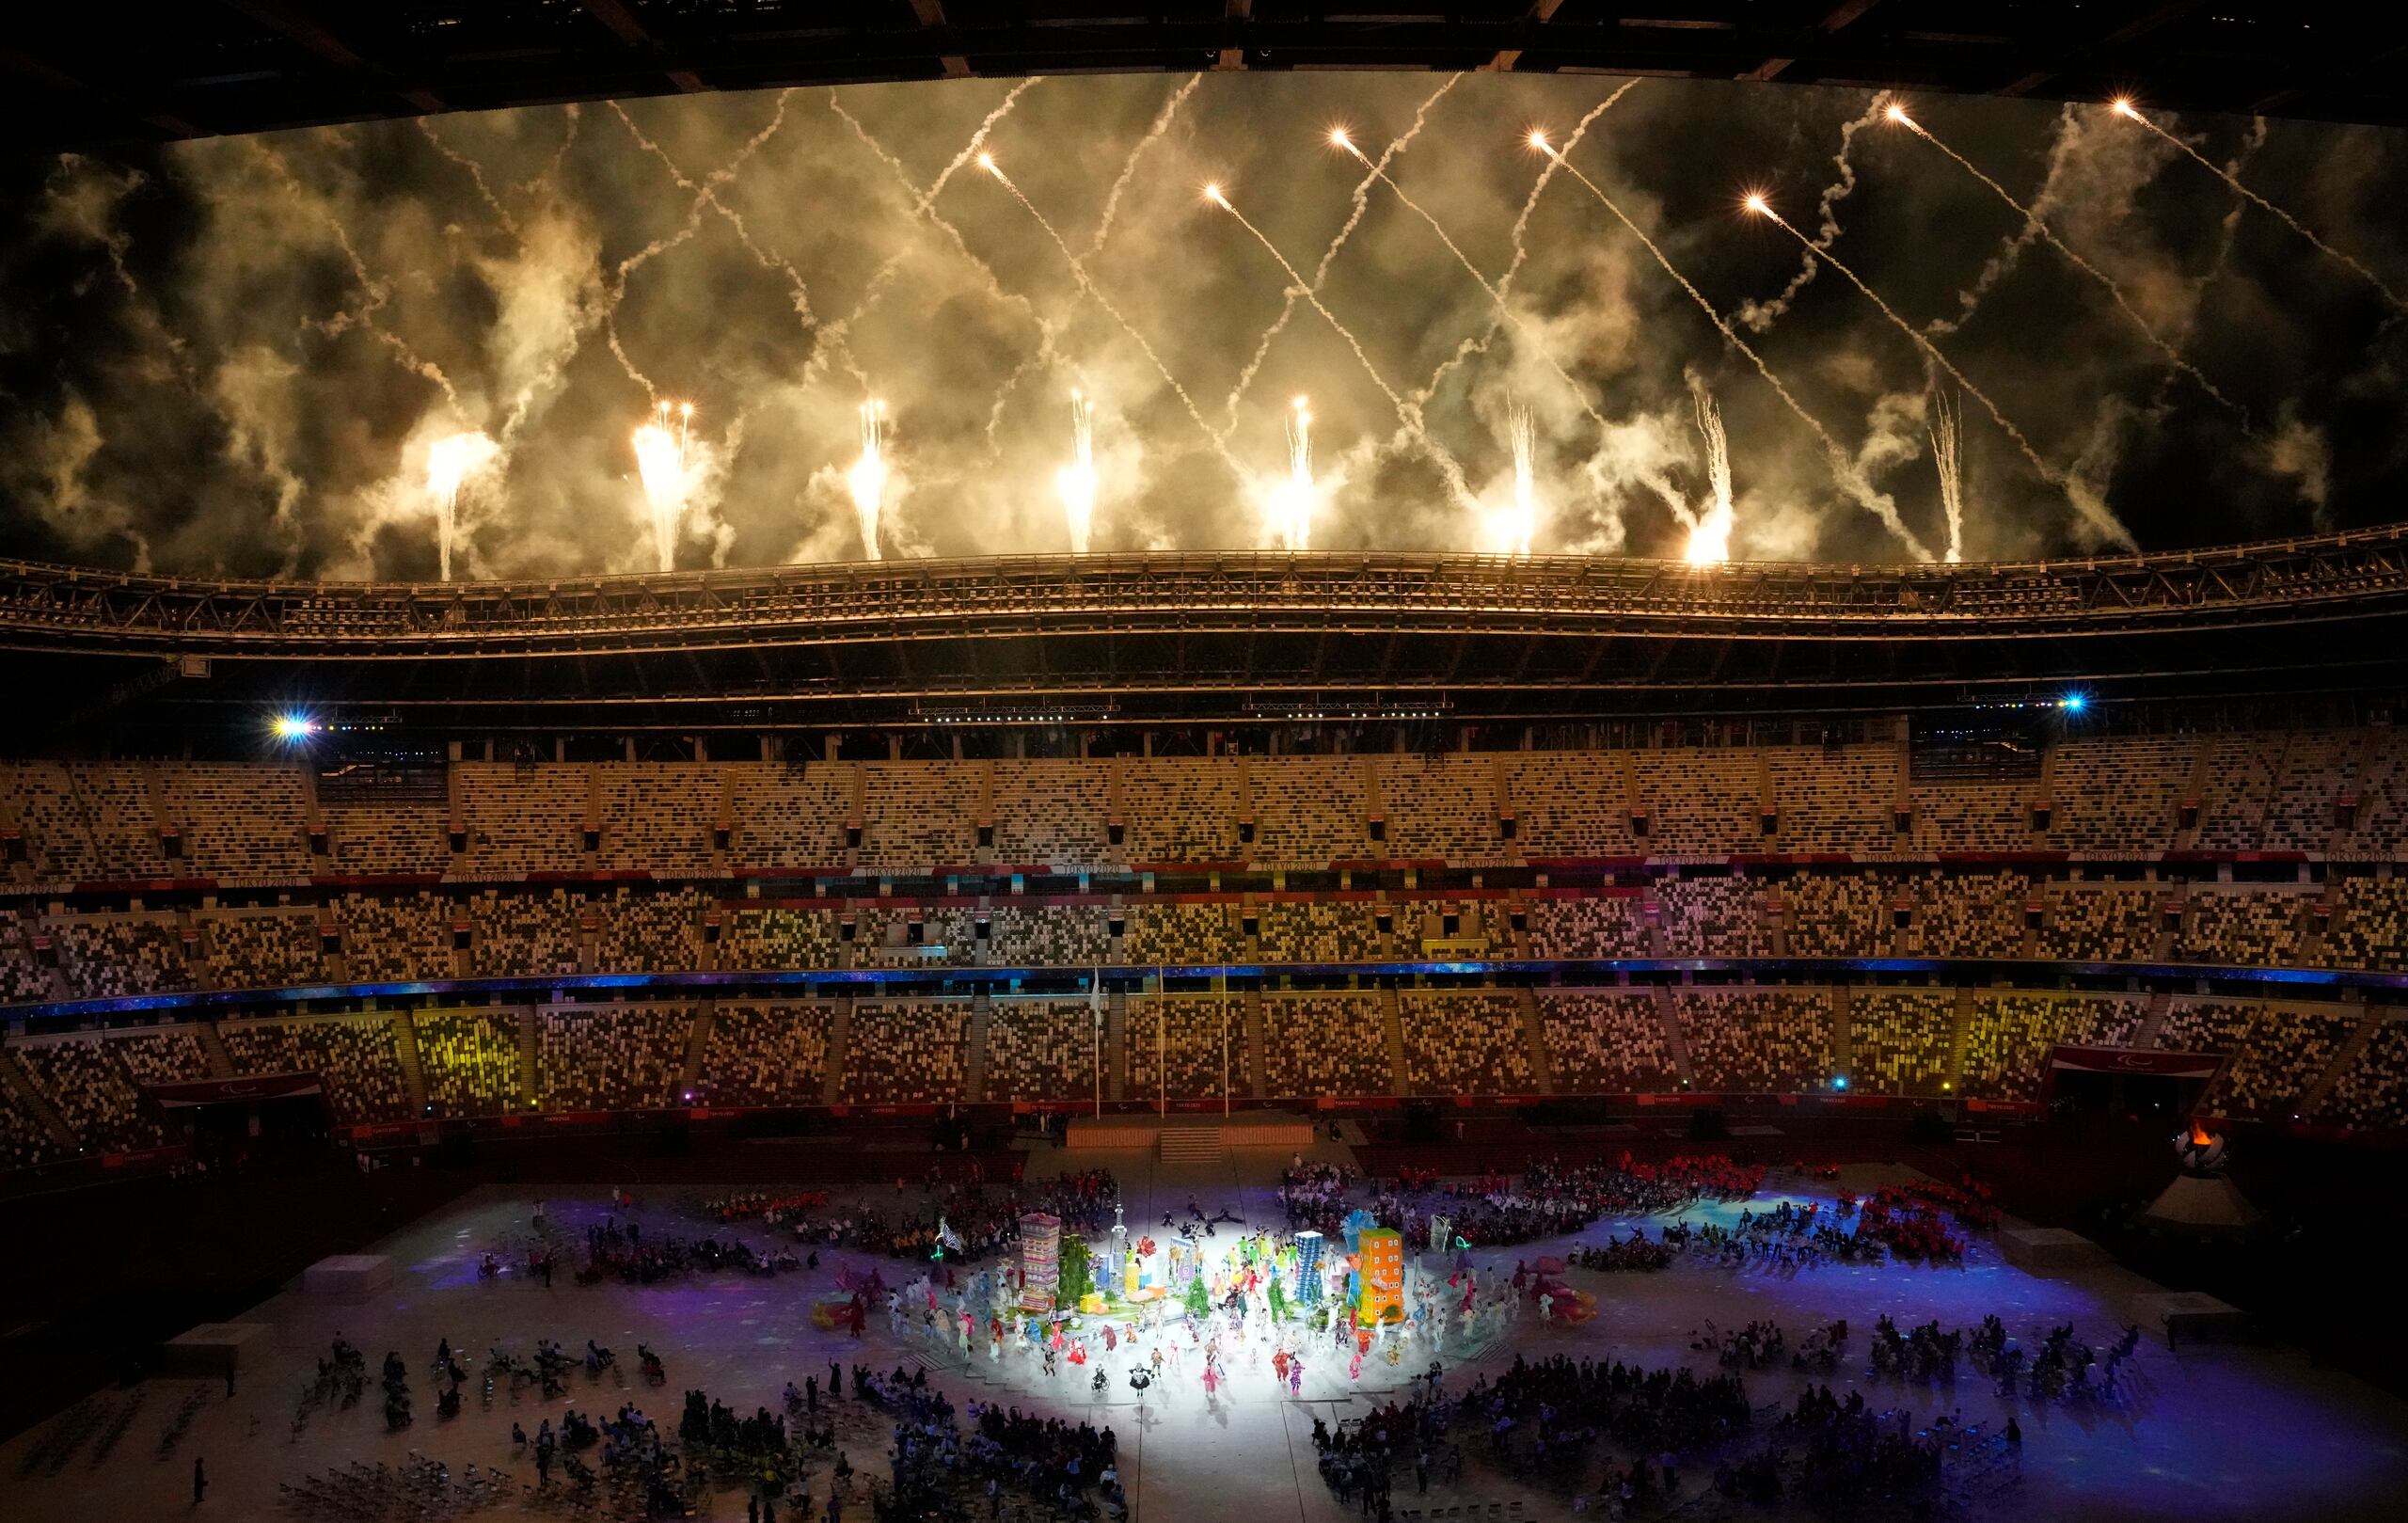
point(1914, 1221)
point(1550, 1199)
point(1248, 1312)
point(619, 1251)
point(1559, 1422)
point(1235, 1313)
point(1925, 1222)
point(937, 1467)
point(957, 1212)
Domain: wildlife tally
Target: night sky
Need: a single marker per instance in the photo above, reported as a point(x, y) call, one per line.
point(233, 356)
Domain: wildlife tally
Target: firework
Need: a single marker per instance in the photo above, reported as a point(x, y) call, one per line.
point(450, 461)
point(706, 193)
point(476, 175)
point(1075, 482)
point(615, 292)
point(1292, 499)
point(374, 294)
point(1340, 138)
point(834, 344)
point(2132, 113)
point(1078, 272)
point(866, 481)
point(1287, 300)
point(1947, 455)
point(1408, 416)
point(1843, 469)
point(1761, 315)
point(1710, 536)
point(663, 465)
point(2086, 501)
point(1898, 114)
point(1477, 343)
point(1524, 520)
point(1129, 165)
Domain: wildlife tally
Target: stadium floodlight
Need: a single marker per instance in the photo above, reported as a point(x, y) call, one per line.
point(293, 728)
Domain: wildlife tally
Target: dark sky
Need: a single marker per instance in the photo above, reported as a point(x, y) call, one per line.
point(235, 357)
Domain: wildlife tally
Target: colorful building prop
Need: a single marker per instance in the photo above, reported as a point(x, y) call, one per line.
point(1382, 1300)
point(1040, 1260)
point(1308, 1249)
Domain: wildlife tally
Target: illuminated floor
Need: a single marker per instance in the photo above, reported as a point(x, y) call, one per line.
point(2209, 1435)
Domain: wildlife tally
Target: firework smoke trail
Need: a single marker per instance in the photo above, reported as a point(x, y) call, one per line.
point(1320, 271)
point(1050, 329)
point(707, 194)
point(866, 481)
point(1843, 469)
point(1947, 454)
point(2086, 501)
point(1075, 482)
point(550, 173)
point(377, 291)
point(1479, 345)
point(662, 466)
point(627, 266)
point(922, 208)
point(1407, 416)
point(1526, 492)
point(1497, 294)
point(1129, 165)
point(476, 175)
point(2227, 234)
point(2032, 220)
point(1710, 536)
point(1473, 270)
point(2132, 113)
point(1294, 497)
point(2010, 253)
point(1761, 315)
point(1086, 283)
point(449, 462)
point(922, 200)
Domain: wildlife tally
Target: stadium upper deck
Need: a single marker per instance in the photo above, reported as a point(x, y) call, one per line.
point(1220, 637)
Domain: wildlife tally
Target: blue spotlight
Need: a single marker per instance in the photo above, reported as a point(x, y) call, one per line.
point(1839, 1080)
point(2073, 703)
point(294, 728)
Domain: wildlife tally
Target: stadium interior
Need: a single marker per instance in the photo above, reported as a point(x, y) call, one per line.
point(1552, 998)
point(2016, 938)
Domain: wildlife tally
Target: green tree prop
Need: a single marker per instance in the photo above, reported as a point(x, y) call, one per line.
point(1199, 1304)
point(1278, 1299)
point(1077, 1271)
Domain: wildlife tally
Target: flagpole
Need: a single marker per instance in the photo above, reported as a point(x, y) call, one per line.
point(1095, 1002)
point(1162, 1043)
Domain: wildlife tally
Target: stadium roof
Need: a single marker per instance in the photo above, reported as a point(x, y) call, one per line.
point(116, 73)
point(1205, 637)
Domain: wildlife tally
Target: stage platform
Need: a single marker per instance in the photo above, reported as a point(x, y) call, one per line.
point(1190, 1137)
point(2187, 1318)
point(2043, 1248)
point(349, 1276)
point(216, 1348)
